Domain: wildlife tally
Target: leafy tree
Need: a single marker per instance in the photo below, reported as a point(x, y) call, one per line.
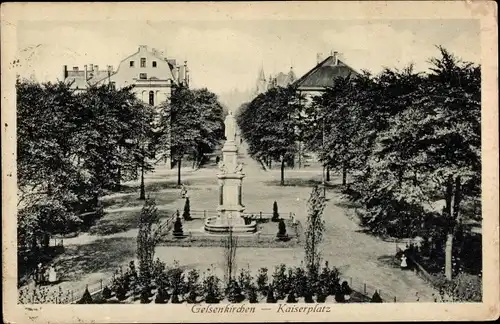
point(270, 296)
point(262, 280)
point(291, 298)
point(252, 294)
point(268, 124)
point(147, 239)
point(234, 293)
point(162, 296)
point(211, 285)
point(190, 124)
point(245, 279)
point(106, 293)
point(280, 281)
point(334, 129)
point(314, 232)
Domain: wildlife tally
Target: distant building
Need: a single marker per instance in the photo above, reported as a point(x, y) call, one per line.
point(314, 83)
point(279, 80)
point(323, 75)
point(149, 71)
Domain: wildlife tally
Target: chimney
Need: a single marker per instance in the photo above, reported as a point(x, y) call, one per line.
point(86, 72)
point(318, 58)
point(186, 73)
point(75, 68)
point(110, 68)
point(178, 73)
point(96, 68)
point(65, 72)
point(143, 48)
point(91, 67)
point(182, 73)
point(336, 57)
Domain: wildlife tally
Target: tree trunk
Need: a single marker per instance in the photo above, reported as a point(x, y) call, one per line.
point(452, 199)
point(119, 178)
point(179, 171)
point(282, 182)
point(195, 159)
point(45, 241)
point(344, 174)
point(448, 256)
point(300, 155)
point(327, 174)
point(95, 201)
point(142, 195)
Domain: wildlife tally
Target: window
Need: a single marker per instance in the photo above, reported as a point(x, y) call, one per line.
point(143, 62)
point(143, 76)
point(131, 63)
point(151, 98)
point(154, 63)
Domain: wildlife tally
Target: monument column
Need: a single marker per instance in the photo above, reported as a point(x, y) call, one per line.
point(230, 176)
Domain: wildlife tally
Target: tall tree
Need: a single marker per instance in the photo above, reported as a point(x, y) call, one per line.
point(147, 239)
point(454, 141)
point(314, 231)
point(268, 124)
point(333, 118)
point(190, 124)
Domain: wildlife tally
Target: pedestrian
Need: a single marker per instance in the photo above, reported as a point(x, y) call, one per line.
point(346, 291)
point(52, 275)
point(183, 191)
point(403, 264)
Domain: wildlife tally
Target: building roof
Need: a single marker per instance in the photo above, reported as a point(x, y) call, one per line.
point(77, 82)
point(324, 74)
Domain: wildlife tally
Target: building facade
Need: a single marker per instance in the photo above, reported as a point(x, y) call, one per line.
point(149, 71)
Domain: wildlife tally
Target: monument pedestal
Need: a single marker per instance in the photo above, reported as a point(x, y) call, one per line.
point(230, 208)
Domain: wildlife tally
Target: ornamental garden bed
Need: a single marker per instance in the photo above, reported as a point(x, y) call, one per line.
point(266, 236)
point(177, 286)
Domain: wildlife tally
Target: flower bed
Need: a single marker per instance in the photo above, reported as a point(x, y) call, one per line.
point(266, 236)
point(175, 285)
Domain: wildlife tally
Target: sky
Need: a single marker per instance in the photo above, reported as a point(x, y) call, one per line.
point(227, 55)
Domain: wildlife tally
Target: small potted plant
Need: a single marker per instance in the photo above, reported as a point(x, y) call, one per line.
point(178, 232)
point(282, 235)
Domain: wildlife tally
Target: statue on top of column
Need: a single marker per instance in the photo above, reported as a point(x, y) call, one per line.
point(230, 127)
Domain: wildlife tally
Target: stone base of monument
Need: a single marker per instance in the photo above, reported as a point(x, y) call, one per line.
point(217, 225)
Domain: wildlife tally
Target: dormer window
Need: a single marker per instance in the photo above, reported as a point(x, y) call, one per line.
point(143, 76)
point(131, 63)
point(154, 63)
point(143, 62)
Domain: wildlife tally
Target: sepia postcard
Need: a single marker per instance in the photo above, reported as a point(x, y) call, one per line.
point(220, 162)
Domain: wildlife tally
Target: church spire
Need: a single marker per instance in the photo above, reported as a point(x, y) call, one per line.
point(262, 76)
